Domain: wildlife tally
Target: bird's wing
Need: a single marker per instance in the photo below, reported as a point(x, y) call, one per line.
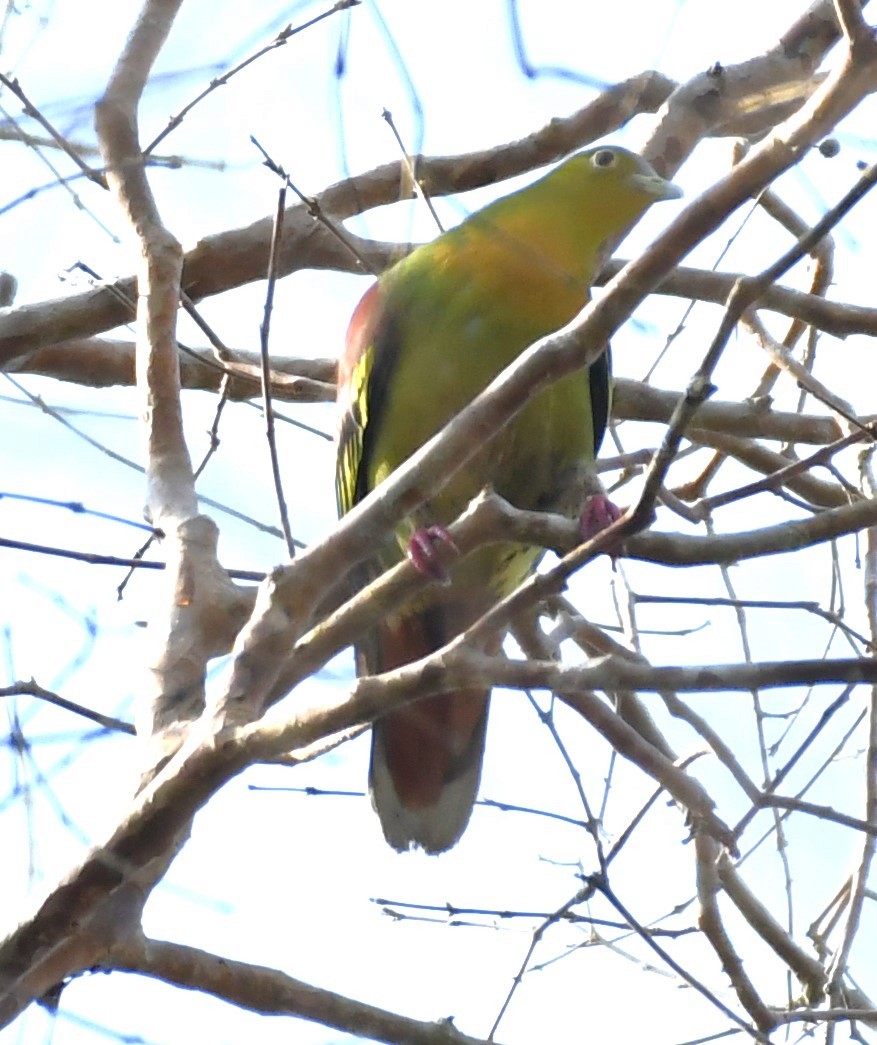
point(364, 373)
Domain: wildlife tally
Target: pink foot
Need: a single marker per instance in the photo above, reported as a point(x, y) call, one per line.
point(422, 551)
point(598, 513)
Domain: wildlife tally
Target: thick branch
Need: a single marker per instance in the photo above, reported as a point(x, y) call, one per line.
point(755, 95)
point(273, 993)
point(89, 911)
point(99, 363)
point(239, 256)
point(198, 589)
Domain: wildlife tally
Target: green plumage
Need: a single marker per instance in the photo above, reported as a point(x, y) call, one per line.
point(430, 335)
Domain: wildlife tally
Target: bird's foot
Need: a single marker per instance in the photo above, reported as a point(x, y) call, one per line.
point(423, 552)
point(599, 513)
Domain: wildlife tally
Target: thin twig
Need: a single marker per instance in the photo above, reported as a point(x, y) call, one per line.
point(34, 689)
point(315, 209)
point(410, 168)
point(264, 332)
point(221, 81)
point(31, 110)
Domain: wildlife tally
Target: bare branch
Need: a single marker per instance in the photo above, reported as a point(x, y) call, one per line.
point(58, 139)
point(33, 689)
point(198, 588)
point(273, 993)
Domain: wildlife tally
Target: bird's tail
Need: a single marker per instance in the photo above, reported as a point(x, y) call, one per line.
point(426, 757)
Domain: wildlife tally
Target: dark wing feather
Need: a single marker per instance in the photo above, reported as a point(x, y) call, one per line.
point(600, 384)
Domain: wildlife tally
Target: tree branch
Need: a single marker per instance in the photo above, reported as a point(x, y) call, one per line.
point(273, 993)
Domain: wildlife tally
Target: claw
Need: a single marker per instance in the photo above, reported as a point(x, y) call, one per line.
point(422, 551)
point(597, 514)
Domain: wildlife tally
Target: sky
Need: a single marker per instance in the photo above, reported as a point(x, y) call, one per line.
point(273, 876)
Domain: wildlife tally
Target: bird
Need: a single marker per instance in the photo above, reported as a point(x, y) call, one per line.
point(432, 332)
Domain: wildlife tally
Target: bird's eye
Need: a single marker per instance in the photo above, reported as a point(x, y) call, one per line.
point(604, 158)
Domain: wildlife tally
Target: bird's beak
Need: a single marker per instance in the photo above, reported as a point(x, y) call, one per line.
point(656, 186)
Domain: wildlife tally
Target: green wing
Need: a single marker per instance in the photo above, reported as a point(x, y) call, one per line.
point(364, 372)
